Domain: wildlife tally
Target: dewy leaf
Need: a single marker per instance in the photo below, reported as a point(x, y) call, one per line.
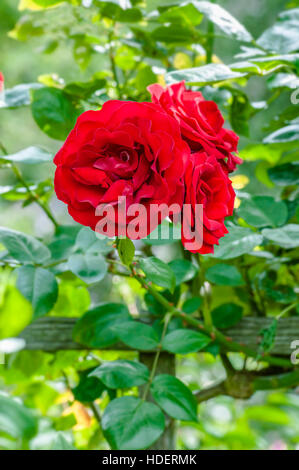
point(18, 95)
point(184, 341)
point(88, 267)
point(226, 315)
point(263, 211)
point(137, 335)
point(130, 423)
point(30, 155)
point(126, 250)
point(174, 397)
point(158, 272)
point(95, 328)
point(237, 242)
point(121, 374)
point(282, 37)
point(54, 112)
point(286, 237)
point(183, 270)
point(205, 75)
point(224, 20)
point(22, 247)
point(39, 286)
point(285, 134)
point(224, 275)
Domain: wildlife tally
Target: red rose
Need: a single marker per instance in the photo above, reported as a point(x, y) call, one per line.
point(1, 82)
point(201, 122)
point(125, 149)
point(207, 183)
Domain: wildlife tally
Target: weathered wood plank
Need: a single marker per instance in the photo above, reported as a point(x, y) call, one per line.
point(55, 333)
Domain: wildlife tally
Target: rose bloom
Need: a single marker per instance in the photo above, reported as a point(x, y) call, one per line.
point(125, 149)
point(1, 82)
point(200, 120)
point(208, 184)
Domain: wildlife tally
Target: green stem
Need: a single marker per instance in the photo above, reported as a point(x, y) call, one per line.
point(156, 359)
point(290, 379)
point(211, 331)
point(113, 66)
point(210, 41)
point(33, 195)
point(287, 309)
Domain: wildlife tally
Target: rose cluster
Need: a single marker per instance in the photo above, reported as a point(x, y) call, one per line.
point(172, 151)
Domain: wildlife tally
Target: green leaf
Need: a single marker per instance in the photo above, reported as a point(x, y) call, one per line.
point(95, 328)
point(240, 113)
point(88, 267)
point(30, 155)
point(144, 77)
point(224, 275)
point(16, 420)
point(10, 323)
point(187, 14)
point(158, 272)
point(286, 174)
point(130, 423)
point(224, 20)
point(237, 242)
point(22, 247)
point(154, 4)
point(121, 374)
point(89, 242)
point(54, 112)
point(89, 388)
point(286, 237)
point(84, 90)
point(205, 75)
point(126, 250)
point(41, 3)
point(282, 37)
point(39, 286)
point(183, 270)
point(174, 397)
point(191, 305)
point(185, 341)
point(285, 134)
point(173, 35)
point(60, 443)
point(226, 315)
point(137, 335)
point(263, 211)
